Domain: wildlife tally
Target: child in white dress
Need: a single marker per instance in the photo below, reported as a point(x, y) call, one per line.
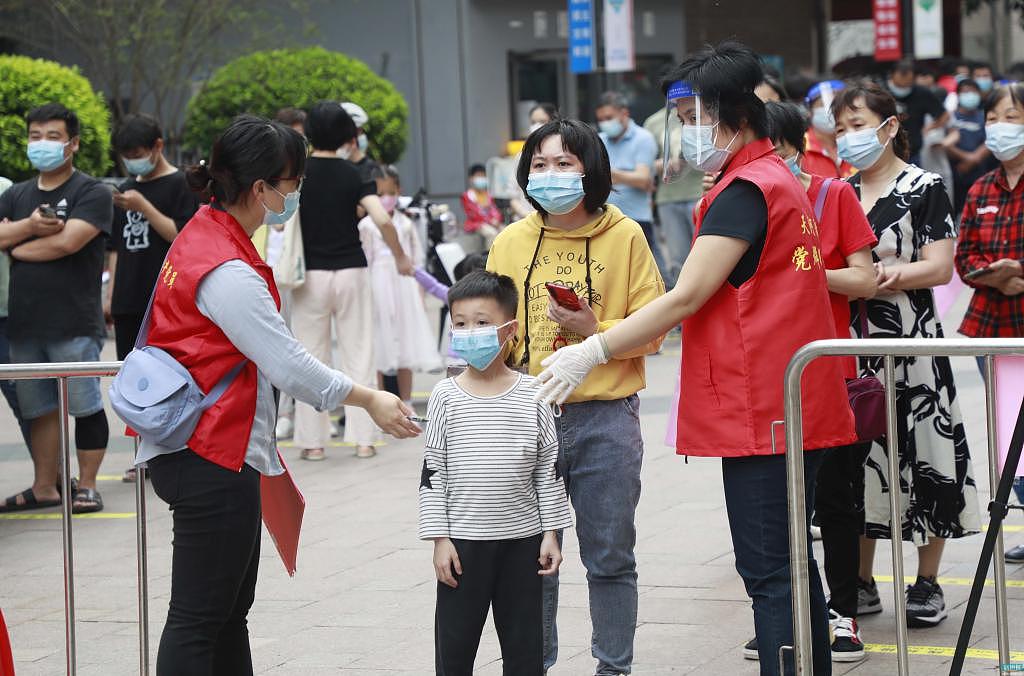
point(405, 342)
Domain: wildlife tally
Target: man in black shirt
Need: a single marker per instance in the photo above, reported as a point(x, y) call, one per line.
point(151, 207)
point(52, 225)
point(913, 103)
point(355, 150)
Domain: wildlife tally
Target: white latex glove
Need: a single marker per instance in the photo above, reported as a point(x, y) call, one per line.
point(566, 368)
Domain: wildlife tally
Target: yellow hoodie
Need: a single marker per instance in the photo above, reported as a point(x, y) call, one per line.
point(624, 279)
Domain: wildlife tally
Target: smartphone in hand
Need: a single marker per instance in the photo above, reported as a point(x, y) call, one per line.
point(980, 272)
point(564, 296)
point(47, 211)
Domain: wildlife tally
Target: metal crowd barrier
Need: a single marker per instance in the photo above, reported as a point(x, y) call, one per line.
point(61, 373)
point(889, 349)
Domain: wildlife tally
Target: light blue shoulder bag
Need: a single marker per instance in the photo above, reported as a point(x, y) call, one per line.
point(157, 397)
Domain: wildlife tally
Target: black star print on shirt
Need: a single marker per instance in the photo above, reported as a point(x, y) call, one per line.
point(425, 477)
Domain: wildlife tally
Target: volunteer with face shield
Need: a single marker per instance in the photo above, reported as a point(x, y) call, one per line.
point(750, 294)
point(820, 157)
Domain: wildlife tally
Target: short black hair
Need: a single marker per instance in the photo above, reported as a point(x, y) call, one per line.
point(776, 86)
point(136, 131)
point(476, 169)
point(966, 82)
point(726, 74)
point(55, 111)
point(291, 116)
point(786, 122)
point(550, 109)
point(982, 64)
point(249, 150)
point(484, 284)
point(469, 264)
point(614, 99)
point(329, 126)
point(904, 66)
point(582, 141)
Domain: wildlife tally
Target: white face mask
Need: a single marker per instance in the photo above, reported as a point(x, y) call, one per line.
point(699, 149)
point(345, 152)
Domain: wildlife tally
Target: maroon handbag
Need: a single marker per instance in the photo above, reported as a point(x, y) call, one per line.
point(867, 394)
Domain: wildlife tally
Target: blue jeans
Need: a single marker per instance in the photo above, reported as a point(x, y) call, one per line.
point(755, 499)
point(601, 450)
point(676, 219)
point(36, 398)
point(7, 386)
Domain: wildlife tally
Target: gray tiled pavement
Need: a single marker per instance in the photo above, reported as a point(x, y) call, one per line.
point(362, 599)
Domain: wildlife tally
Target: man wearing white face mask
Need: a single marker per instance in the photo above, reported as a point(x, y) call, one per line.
point(632, 152)
point(152, 206)
point(355, 151)
point(913, 104)
point(51, 225)
point(965, 143)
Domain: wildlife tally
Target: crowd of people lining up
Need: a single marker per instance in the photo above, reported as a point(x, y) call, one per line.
point(852, 199)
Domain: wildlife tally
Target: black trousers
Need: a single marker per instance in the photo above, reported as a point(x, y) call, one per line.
point(839, 511)
point(216, 552)
point(126, 330)
point(502, 575)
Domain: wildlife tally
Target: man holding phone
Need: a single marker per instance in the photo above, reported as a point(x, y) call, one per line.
point(51, 226)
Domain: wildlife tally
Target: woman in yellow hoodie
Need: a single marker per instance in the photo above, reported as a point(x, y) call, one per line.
point(577, 240)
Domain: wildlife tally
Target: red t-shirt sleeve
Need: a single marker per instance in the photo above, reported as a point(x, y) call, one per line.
point(855, 232)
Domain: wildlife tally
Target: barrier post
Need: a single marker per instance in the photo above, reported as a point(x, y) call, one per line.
point(896, 517)
point(889, 349)
point(66, 499)
point(799, 574)
point(998, 565)
point(143, 569)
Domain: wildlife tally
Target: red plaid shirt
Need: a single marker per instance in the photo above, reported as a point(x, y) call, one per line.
point(992, 228)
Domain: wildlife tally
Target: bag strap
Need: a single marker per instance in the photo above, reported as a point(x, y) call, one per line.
point(221, 387)
point(140, 340)
point(819, 204)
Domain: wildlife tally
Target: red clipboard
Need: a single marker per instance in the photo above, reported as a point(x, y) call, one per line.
point(283, 507)
point(6, 658)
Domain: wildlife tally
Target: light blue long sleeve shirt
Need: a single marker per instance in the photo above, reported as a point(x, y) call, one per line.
point(235, 298)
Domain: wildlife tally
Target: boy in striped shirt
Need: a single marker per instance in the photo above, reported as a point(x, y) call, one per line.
point(491, 496)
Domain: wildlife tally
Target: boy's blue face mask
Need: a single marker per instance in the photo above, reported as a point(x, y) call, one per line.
point(478, 346)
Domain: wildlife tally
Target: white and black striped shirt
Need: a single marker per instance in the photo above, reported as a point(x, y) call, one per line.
point(489, 466)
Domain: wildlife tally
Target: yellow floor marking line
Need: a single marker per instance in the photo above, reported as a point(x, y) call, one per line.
point(108, 477)
point(941, 651)
point(20, 516)
point(953, 581)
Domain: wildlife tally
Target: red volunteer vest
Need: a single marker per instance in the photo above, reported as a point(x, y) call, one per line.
point(736, 348)
point(211, 238)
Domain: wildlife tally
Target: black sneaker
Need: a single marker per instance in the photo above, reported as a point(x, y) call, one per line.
point(1015, 555)
point(846, 643)
point(926, 606)
point(868, 601)
point(750, 650)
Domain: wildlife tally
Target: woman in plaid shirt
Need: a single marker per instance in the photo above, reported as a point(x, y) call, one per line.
point(991, 244)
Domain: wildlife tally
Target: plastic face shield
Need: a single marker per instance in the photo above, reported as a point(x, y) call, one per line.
point(826, 91)
point(686, 109)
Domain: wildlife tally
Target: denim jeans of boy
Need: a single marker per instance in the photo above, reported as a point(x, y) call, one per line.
point(600, 454)
point(755, 499)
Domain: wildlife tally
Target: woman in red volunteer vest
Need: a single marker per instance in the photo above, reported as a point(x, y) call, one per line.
point(846, 242)
point(751, 293)
point(215, 307)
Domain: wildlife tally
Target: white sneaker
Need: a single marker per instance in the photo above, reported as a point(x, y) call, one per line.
point(815, 532)
point(846, 643)
point(334, 430)
point(284, 428)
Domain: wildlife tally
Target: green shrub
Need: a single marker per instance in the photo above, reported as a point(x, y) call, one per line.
point(27, 83)
point(264, 82)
